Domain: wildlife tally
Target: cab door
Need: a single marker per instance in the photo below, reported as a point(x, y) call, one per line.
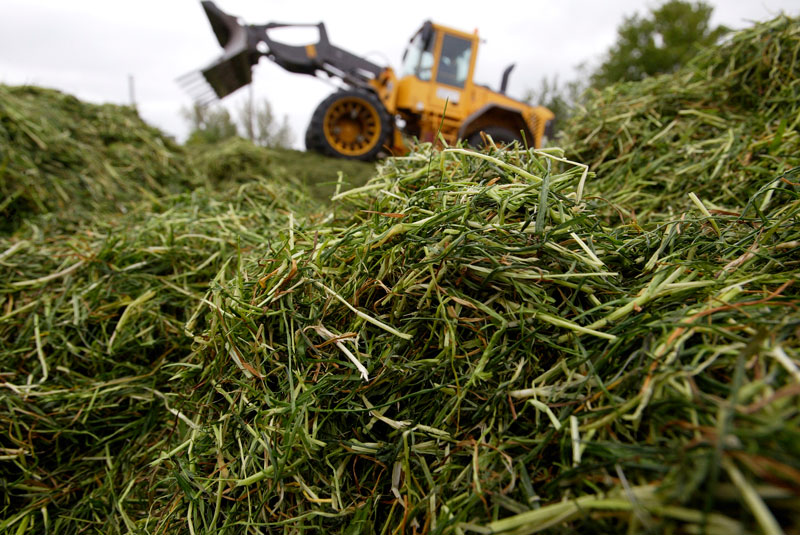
point(452, 74)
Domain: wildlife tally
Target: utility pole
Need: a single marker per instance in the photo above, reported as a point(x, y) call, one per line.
point(250, 115)
point(132, 91)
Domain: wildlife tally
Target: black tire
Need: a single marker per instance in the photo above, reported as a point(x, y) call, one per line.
point(499, 134)
point(368, 126)
point(312, 141)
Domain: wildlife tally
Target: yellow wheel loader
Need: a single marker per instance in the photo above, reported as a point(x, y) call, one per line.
point(434, 93)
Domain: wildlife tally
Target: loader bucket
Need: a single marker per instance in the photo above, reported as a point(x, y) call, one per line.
point(230, 71)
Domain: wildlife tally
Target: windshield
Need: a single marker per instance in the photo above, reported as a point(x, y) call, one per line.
point(418, 59)
point(454, 64)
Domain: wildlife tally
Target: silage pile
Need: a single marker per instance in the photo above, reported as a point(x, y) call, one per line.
point(104, 280)
point(231, 160)
point(59, 154)
point(720, 127)
point(93, 325)
point(462, 345)
point(473, 351)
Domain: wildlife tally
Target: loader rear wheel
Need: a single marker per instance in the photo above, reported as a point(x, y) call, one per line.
point(349, 124)
point(499, 134)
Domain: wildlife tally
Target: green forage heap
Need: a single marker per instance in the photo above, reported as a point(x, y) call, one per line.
point(721, 126)
point(470, 342)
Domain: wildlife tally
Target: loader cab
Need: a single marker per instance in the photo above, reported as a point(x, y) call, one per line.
point(440, 54)
point(436, 98)
point(436, 77)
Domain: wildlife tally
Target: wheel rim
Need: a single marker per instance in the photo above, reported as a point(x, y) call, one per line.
point(352, 126)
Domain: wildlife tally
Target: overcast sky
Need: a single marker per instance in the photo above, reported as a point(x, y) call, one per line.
point(90, 47)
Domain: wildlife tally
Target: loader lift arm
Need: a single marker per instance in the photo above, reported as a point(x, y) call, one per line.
point(244, 45)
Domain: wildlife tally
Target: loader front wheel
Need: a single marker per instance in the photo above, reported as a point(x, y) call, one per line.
point(349, 124)
point(500, 135)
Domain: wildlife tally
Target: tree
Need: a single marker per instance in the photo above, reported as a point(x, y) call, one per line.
point(659, 43)
point(208, 124)
point(260, 125)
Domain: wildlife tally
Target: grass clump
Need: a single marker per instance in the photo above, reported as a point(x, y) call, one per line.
point(230, 160)
point(721, 127)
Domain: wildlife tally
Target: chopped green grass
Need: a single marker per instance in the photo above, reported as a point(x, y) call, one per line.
point(467, 342)
point(721, 127)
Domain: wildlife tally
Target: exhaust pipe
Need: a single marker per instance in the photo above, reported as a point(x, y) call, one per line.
point(504, 81)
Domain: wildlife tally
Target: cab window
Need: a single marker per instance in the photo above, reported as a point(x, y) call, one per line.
point(454, 64)
point(418, 59)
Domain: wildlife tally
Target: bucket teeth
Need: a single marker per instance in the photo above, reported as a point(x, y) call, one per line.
point(198, 88)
